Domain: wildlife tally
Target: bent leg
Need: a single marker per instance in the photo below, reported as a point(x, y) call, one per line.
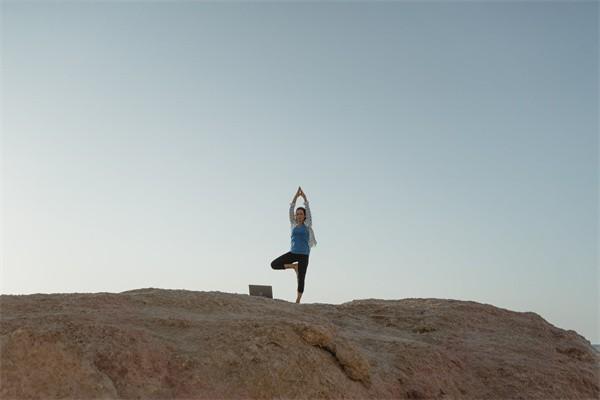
point(286, 258)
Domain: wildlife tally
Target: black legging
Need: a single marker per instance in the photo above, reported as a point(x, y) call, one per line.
point(289, 258)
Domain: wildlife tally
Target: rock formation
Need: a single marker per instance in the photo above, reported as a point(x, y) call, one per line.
point(177, 344)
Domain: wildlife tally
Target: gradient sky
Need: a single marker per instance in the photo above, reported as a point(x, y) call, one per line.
point(448, 149)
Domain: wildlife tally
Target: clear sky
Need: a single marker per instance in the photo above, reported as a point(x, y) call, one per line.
point(448, 149)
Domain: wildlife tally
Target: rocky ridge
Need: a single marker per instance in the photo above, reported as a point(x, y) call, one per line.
point(167, 344)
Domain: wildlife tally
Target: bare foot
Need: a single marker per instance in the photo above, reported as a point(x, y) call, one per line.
point(295, 266)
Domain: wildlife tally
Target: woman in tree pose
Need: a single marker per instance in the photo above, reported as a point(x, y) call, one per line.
point(303, 238)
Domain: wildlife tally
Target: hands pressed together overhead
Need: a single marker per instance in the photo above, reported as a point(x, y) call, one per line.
point(300, 193)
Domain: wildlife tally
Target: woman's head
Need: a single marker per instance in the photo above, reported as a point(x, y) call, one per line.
point(300, 215)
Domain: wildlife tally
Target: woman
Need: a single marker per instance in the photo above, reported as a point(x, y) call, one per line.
point(303, 238)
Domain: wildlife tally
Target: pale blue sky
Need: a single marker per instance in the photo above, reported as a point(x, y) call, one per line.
point(449, 149)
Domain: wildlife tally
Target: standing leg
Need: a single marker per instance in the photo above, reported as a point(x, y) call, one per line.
point(302, 266)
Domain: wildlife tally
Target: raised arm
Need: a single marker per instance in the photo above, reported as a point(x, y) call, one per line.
point(292, 206)
point(308, 219)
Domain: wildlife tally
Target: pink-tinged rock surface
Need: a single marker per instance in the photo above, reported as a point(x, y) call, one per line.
point(177, 344)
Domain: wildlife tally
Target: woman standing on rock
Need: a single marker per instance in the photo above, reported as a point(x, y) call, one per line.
point(303, 238)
